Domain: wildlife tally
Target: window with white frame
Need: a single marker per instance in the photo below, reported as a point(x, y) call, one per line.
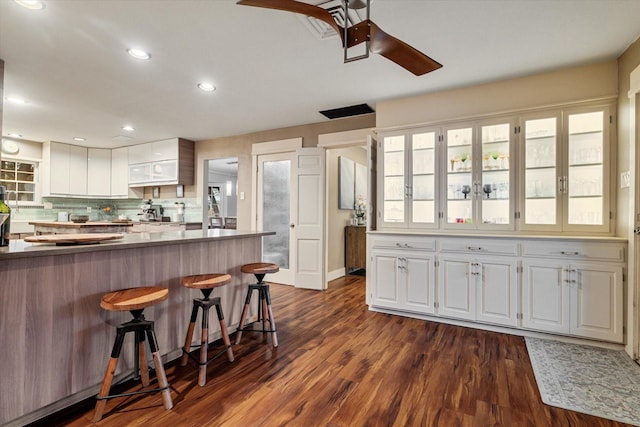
point(19, 178)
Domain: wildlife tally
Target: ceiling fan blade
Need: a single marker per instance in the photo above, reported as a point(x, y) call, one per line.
point(399, 52)
point(297, 7)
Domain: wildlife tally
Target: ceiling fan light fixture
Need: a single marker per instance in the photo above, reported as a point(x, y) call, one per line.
point(356, 4)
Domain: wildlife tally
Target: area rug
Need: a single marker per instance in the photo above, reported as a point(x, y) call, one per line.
point(592, 380)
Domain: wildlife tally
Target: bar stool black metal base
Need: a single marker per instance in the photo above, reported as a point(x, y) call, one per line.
point(265, 313)
point(205, 304)
point(144, 331)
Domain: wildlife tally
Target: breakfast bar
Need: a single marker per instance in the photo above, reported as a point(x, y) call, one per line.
point(56, 339)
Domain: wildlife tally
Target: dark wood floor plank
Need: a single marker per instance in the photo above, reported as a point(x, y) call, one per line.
point(340, 365)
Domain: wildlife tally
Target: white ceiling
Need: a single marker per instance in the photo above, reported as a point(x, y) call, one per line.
point(69, 62)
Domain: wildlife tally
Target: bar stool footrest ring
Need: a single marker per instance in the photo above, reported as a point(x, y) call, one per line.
point(133, 393)
point(215, 356)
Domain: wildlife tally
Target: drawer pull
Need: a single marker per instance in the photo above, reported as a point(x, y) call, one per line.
point(477, 248)
point(570, 253)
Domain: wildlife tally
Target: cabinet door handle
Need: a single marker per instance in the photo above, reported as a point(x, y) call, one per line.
point(476, 189)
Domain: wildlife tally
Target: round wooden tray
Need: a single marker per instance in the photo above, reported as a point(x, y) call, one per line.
point(74, 239)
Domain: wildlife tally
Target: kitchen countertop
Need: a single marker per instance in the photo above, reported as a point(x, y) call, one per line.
point(70, 224)
point(21, 249)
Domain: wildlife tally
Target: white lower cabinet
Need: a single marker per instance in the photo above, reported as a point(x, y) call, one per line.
point(483, 289)
point(403, 281)
point(456, 291)
point(578, 298)
point(562, 286)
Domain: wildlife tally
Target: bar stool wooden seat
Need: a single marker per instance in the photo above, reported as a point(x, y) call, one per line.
point(206, 283)
point(134, 300)
point(265, 312)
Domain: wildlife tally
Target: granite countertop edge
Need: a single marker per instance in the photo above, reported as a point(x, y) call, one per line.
point(20, 249)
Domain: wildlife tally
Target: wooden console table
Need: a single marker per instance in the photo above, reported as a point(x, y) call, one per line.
point(355, 247)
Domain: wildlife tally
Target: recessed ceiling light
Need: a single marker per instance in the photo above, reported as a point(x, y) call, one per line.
point(207, 87)
point(79, 139)
point(128, 128)
point(138, 53)
point(15, 135)
point(15, 100)
point(31, 4)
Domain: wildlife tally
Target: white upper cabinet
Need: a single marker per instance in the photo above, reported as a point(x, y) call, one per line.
point(120, 172)
point(408, 182)
point(547, 171)
point(161, 163)
point(65, 170)
point(565, 183)
point(479, 176)
point(99, 172)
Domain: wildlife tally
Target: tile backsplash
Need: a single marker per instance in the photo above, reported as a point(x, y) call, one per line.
point(102, 209)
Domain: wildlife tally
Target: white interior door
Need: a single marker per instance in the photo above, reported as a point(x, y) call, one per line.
point(276, 198)
point(308, 226)
point(290, 201)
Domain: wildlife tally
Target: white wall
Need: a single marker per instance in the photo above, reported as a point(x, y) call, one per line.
point(546, 89)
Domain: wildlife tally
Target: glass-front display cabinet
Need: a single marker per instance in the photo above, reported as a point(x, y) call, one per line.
point(566, 171)
point(479, 176)
point(408, 179)
point(547, 171)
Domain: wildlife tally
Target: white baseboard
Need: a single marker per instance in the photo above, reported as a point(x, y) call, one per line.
point(332, 275)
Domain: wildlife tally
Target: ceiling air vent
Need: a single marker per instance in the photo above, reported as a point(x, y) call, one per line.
point(323, 31)
point(122, 138)
point(353, 110)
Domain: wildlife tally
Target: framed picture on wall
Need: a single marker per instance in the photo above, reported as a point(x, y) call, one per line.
point(361, 182)
point(346, 178)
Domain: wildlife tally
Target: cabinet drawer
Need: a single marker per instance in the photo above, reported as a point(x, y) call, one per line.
point(479, 246)
point(575, 250)
point(405, 243)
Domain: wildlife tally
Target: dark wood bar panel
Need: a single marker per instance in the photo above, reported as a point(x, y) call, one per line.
point(57, 340)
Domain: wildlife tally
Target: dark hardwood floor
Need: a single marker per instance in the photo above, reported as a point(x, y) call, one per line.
point(339, 364)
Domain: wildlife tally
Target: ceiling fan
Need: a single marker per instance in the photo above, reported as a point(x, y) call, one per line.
point(377, 41)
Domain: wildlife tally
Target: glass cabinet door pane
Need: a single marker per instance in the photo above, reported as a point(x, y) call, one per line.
point(540, 204)
point(423, 177)
point(459, 175)
point(585, 178)
point(393, 191)
point(495, 174)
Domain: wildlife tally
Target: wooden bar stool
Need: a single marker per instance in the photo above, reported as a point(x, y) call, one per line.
point(206, 283)
point(134, 300)
point(265, 313)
